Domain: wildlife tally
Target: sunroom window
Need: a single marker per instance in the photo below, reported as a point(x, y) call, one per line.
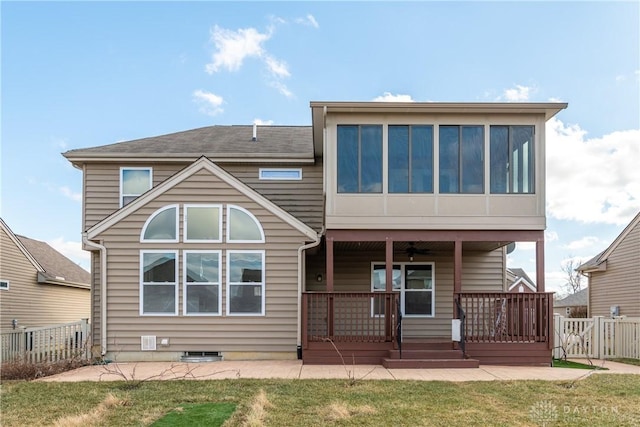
point(461, 159)
point(245, 282)
point(134, 182)
point(202, 283)
point(203, 223)
point(162, 225)
point(414, 281)
point(159, 293)
point(242, 226)
point(410, 159)
point(512, 159)
point(359, 159)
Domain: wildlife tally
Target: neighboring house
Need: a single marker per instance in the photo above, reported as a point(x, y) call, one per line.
point(518, 281)
point(38, 285)
point(285, 241)
point(614, 275)
point(574, 305)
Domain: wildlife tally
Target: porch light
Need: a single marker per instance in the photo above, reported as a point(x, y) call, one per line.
point(319, 277)
point(411, 258)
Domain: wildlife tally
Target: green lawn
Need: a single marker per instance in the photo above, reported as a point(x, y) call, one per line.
point(599, 400)
point(560, 363)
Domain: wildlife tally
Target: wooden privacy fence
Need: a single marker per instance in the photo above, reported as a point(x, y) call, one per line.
point(597, 338)
point(47, 343)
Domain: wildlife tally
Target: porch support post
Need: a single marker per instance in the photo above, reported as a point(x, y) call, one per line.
point(457, 273)
point(329, 273)
point(540, 263)
point(389, 265)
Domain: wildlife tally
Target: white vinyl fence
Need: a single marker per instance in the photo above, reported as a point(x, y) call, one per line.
point(46, 344)
point(596, 338)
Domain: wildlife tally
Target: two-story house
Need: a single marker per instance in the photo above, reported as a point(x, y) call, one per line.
point(379, 233)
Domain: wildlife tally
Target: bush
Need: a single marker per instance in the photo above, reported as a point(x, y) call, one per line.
point(23, 369)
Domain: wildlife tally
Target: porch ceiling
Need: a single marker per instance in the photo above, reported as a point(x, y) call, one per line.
point(427, 246)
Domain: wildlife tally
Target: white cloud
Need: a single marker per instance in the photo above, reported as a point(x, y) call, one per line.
point(389, 97)
point(550, 236)
point(261, 122)
point(232, 47)
point(210, 103)
point(278, 68)
point(517, 94)
point(67, 192)
point(72, 250)
point(308, 20)
point(282, 88)
point(525, 246)
point(592, 180)
point(585, 242)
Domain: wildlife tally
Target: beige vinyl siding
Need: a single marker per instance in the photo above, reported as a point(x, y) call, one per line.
point(303, 199)
point(481, 272)
point(31, 303)
point(620, 283)
point(274, 332)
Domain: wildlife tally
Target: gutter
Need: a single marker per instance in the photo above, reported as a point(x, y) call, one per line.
point(103, 291)
point(301, 268)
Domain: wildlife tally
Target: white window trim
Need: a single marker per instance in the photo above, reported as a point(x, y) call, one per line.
point(262, 174)
point(4, 285)
point(402, 289)
point(229, 283)
point(185, 215)
point(185, 284)
point(152, 216)
point(252, 216)
point(122, 169)
point(142, 283)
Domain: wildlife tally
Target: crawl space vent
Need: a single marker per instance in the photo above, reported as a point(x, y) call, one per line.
point(148, 342)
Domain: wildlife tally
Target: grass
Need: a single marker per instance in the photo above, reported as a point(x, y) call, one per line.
point(602, 400)
point(628, 361)
point(561, 363)
point(202, 414)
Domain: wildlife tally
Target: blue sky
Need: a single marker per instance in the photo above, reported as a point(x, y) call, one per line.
point(82, 74)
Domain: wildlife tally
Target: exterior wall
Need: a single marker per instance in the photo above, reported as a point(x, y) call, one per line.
point(441, 211)
point(302, 199)
point(272, 335)
point(481, 272)
point(31, 303)
point(620, 283)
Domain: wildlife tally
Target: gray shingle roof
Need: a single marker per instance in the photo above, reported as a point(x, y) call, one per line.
point(519, 272)
point(578, 299)
point(55, 264)
point(216, 142)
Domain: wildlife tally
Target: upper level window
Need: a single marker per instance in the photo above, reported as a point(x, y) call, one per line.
point(512, 159)
point(242, 226)
point(202, 223)
point(162, 225)
point(461, 159)
point(280, 174)
point(359, 159)
point(410, 159)
point(4, 285)
point(133, 182)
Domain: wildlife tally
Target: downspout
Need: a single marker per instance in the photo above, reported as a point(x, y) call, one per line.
point(301, 250)
point(103, 291)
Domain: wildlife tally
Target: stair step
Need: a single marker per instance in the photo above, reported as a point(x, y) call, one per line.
point(425, 354)
point(429, 363)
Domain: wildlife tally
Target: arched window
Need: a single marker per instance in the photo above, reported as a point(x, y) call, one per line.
point(242, 226)
point(161, 226)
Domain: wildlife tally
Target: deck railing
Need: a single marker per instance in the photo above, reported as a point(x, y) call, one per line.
point(46, 344)
point(365, 317)
point(507, 317)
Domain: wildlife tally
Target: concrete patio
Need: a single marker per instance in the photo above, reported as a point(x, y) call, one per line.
point(294, 369)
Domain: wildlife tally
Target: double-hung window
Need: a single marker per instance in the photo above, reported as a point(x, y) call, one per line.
point(461, 159)
point(410, 159)
point(245, 282)
point(133, 182)
point(414, 281)
point(512, 159)
point(202, 293)
point(359, 159)
point(159, 293)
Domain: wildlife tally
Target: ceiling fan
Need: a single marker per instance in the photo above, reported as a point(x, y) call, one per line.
point(411, 251)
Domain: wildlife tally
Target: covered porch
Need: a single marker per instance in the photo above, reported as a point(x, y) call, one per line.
point(352, 317)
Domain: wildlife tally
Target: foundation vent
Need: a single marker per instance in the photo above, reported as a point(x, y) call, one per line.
point(148, 342)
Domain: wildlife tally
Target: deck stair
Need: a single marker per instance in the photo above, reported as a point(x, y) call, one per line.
point(428, 355)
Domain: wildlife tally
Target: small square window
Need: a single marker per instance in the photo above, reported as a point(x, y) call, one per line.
point(4, 285)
